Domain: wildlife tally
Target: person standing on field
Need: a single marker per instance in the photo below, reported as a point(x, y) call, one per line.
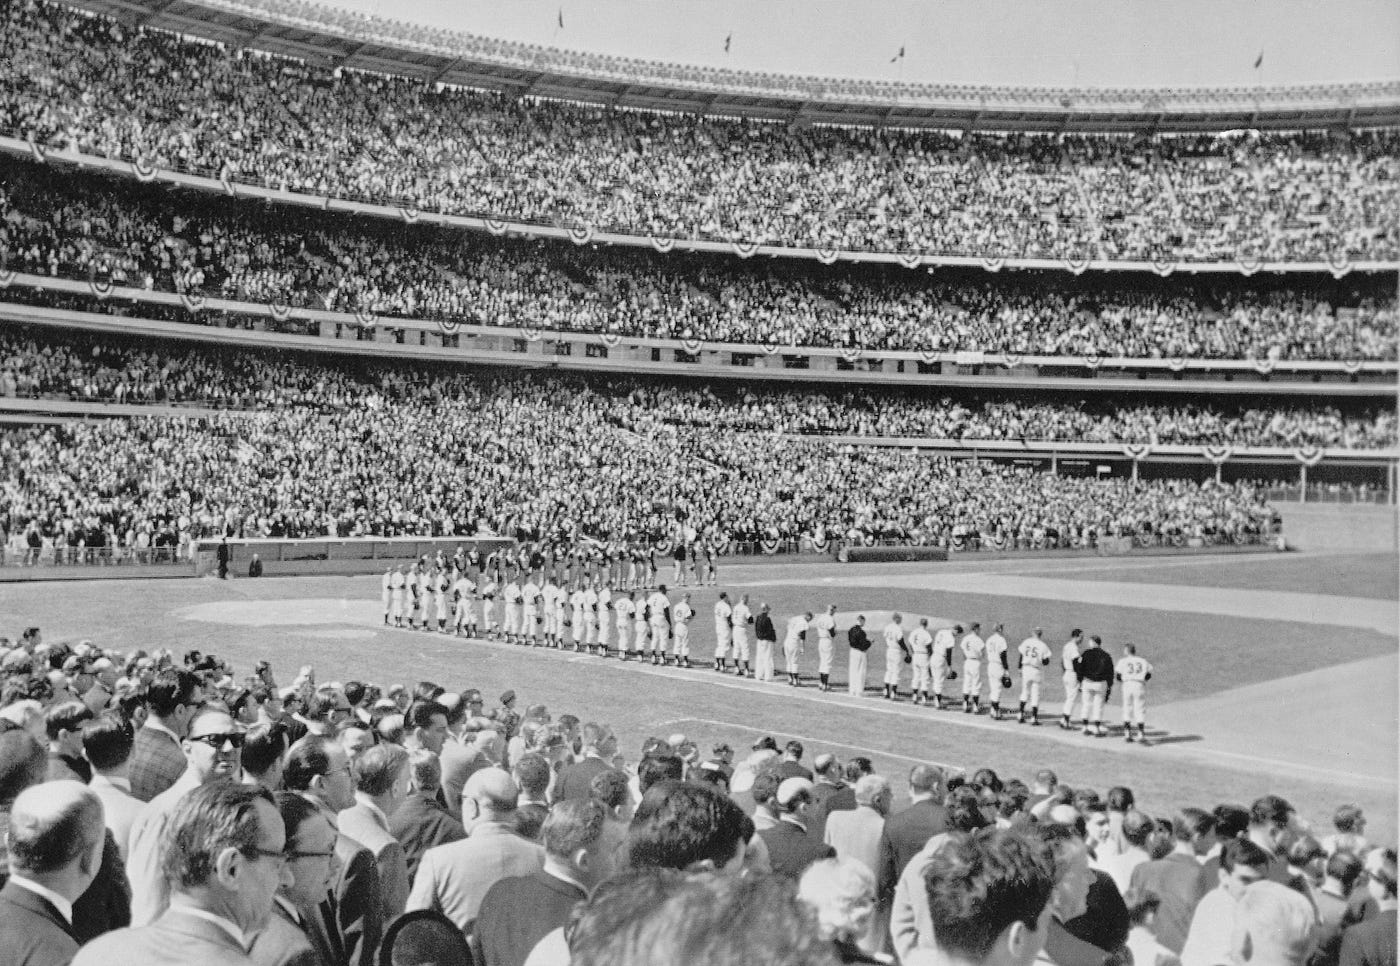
point(1133, 673)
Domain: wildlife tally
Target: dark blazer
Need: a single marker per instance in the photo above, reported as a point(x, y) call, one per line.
point(518, 912)
point(106, 905)
point(574, 780)
point(157, 761)
point(1180, 882)
point(1104, 924)
point(1371, 943)
point(354, 917)
point(174, 939)
point(763, 629)
point(842, 799)
point(32, 933)
point(905, 834)
point(792, 769)
point(420, 823)
point(63, 768)
point(791, 849)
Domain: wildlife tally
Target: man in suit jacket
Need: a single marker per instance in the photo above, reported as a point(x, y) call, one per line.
point(907, 832)
point(422, 821)
point(790, 848)
point(221, 893)
point(1276, 926)
point(107, 743)
point(381, 785)
point(157, 758)
point(212, 755)
point(296, 935)
point(1177, 879)
point(856, 834)
point(56, 840)
point(1373, 941)
point(599, 746)
point(63, 724)
point(581, 844)
point(353, 914)
point(454, 878)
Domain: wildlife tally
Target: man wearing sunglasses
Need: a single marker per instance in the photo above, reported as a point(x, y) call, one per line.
point(212, 747)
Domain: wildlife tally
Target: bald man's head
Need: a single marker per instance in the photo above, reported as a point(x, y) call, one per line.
point(56, 828)
point(493, 791)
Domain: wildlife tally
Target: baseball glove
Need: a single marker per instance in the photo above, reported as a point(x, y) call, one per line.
point(952, 675)
point(1006, 680)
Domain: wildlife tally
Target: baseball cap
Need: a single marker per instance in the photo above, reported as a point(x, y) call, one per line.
point(791, 788)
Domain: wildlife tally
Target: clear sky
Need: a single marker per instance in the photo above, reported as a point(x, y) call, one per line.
point(1038, 43)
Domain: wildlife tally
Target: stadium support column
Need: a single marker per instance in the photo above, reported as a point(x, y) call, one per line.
point(1135, 464)
point(1303, 482)
point(1054, 463)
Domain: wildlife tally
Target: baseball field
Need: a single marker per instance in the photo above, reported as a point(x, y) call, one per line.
point(1274, 673)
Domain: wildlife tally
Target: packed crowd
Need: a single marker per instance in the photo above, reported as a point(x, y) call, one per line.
point(51, 364)
point(52, 224)
point(169, 812)
point(98, 86)
point(549, 458)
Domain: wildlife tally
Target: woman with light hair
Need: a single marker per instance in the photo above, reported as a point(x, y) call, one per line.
point(841, 893)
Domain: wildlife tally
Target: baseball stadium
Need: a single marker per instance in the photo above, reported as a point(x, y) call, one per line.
point(912, 431)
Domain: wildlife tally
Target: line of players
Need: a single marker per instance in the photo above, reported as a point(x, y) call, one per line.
point(634, 624)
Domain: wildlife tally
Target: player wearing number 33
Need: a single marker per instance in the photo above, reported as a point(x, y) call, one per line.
point(1134, 672)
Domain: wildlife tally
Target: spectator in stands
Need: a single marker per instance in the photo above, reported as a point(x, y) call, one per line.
point(422, 822)
point(107, 744)
point(1210, 938)
point(381, 786)
point(157, 758)
point(1177, 880)
point(296, 932)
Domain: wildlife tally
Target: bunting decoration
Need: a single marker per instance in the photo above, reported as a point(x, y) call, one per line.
point(1137, 451)
point(1340, 264)
point(7, 277)
point(1012, 359)
point(1218, 454)
point(611, 339)
point(144, 172)
point(1077, 265)
point(930, 356)
point(993, 264)
point(366, 318)
point(101, 289)
point(410, 215)
point(1248, 266)
point(37, 151)
point(692, 345)
point(827, 255)
point(495, 226)
point(771, 347)
point(852, 354)
point(996, 541)
point(909, 260)
point(1263, 366)
point(1176, 363)
point(1352, 366)
point(581, 235)
point(821, 544)
point(662, 245)
point(1308, 455)
point(745, 249)
point(1163, 266)
point(531, 335)
point(192, 301)
point(769, 545)
point(280, 311)
point(1093, 361)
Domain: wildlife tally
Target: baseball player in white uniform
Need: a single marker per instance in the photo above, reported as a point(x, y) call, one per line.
point(441, 586)
point(530, 612)
point(974, 651)
point(1034, 657)
point(941, 668)
point(1069, 654)
point(590, 615)
point(825, 625)
point(577, 626)
point(640, 623)
point(896, 655)
point(386, 589)
point(397, 585)
point(723, 630)
point(489, 590)
point(921, 643)
point(998, 669)
point(659, 611)
point(1133, 673)
point(743, 619)
point(463, 591)
point(425, 596)
point(792, 645)
point(550, 611)
point(680, 631)
point(514, 611)
point(623, 606)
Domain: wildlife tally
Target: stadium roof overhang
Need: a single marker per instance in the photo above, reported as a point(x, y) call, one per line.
point(546, 72)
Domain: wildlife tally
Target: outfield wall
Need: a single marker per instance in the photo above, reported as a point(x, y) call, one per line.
point(1330, 526)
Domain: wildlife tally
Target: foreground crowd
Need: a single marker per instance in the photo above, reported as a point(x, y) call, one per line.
point(90, 83)
point(559, 461)
point(54, 224)
point(158, 811)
